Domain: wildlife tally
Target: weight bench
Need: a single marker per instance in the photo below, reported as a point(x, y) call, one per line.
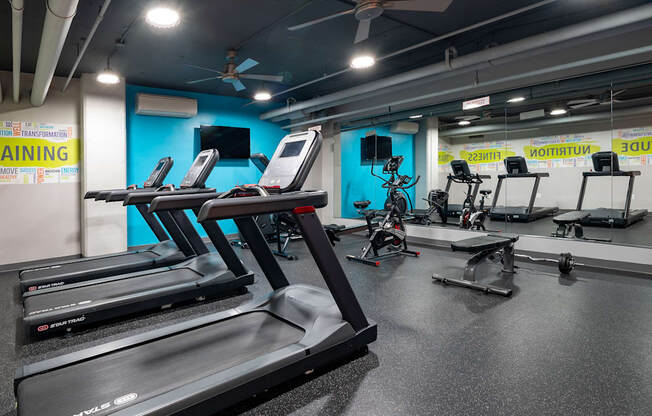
point(482, 247)
point(570, 223)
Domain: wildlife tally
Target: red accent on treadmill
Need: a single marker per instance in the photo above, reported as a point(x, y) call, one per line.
point(43, 328)
point(304, 210)
point(31, 288)
point(377, 263)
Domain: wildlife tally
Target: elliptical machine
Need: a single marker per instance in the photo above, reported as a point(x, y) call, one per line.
point(390, 231)
point(471, 217)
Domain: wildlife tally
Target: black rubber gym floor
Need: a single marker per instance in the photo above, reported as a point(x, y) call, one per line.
point(571, 346)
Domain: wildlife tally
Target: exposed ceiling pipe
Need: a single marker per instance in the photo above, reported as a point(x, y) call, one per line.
point(96, 24)
point(530, 125)
point(17, 7)
point(624, 19)
point(58, 17)
point(424, 43)
point(512, 78)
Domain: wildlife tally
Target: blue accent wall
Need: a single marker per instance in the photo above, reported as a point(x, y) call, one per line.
point(150, 138)
point(357, 182)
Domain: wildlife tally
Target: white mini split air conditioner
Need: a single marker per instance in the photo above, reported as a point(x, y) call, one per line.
point(165, 106)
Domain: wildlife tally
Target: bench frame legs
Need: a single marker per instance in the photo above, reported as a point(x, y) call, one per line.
point(469, 280)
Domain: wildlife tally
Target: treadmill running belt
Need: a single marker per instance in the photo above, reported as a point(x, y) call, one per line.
point(139, 373)
point(85, 265)
point(109, 290)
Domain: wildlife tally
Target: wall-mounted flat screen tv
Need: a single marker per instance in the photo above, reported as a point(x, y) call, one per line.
point(231, 142)
point(376, 147)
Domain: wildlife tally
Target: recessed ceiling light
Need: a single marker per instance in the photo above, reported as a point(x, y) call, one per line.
point(162, 17)
point(108, 77)
point(558, 111)
point(262, 96)
point(414, 117)
point(362, 61)
point(516, 99)
point(464, 122)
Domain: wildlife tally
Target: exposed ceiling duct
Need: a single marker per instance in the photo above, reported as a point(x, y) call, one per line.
point(645, 50)
point(16, 44)
point(626, 20)
point(96, 24)
point(58, 17)
point(511, 127)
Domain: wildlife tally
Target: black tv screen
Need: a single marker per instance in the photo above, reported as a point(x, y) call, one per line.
point(231, 142)
point(378, 147)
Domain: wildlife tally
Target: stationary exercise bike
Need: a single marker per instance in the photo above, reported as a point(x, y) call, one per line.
point(390, 231)
point(471, 217)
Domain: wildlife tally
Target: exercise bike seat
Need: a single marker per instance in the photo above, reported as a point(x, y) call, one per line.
point(485, 192)
point(361, 204)
point(571, 217)
point(484, 242)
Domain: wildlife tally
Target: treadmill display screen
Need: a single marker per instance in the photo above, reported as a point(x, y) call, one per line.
point(292, 148)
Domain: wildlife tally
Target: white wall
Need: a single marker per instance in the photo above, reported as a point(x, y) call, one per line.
point(104, 225)
point(39, 220)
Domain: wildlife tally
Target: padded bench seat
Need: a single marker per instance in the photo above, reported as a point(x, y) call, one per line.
point(571, 217)
point(484, 242)
point(361, 204)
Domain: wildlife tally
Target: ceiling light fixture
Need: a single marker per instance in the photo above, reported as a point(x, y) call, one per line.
point(262, 96)
point(162, 17)
point(558, 112)
point(416, 116)
point(362, 62)
point(108, 77)
point(464, 122)
point(516, 99)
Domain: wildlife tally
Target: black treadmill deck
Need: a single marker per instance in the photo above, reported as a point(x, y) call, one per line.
point(140, 373)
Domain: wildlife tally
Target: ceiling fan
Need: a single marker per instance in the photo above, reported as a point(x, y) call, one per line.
point(604, 99)
point(232, 73)
point(367, 10)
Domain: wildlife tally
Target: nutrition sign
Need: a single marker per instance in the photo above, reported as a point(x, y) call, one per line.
point(32, 153)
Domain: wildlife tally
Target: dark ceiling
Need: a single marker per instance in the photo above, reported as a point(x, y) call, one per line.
point(258, 28)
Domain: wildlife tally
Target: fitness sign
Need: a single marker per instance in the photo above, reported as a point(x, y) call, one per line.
point(34, 153)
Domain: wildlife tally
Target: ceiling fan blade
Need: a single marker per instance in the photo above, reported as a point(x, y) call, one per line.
point(418, 5)
point(270, 78)
point(204, 68)
point(584, 104)
point(247, 64)
point(321, 19)
point(238, 85)
point(363, 30)
point(201, 80)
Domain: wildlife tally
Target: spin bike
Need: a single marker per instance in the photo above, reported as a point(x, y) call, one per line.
point(390, 231)
point(472, 217)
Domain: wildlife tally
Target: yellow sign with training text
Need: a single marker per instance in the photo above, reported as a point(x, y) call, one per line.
point(475, 157)
point(19, 152)
point(560, 151)
point(635, 147)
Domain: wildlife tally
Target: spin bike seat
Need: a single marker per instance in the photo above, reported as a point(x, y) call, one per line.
point(485, 192)
point(571, 217)
point(361, 204)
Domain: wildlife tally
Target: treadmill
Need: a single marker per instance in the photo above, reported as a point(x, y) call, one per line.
point(206, 364)
point(606, 164)
point(516, 167)
point(459, 172)
point(163, 253)
point(56, 309)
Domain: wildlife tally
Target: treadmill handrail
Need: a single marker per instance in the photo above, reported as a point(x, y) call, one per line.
point(174, 202)
point(614, 173)
point(451, 176)
point(136, 198)
point(218, 209)
point(525, 175)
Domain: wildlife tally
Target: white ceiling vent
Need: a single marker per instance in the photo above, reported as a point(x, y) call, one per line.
point(165, 106)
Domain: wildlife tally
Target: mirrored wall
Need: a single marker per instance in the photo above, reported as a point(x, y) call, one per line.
point(565, 160)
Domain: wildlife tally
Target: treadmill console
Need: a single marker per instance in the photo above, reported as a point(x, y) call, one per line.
point(159, 173)
point(200, 169)
point(291, 162)
point(460, 168)
point(605, 162)
point(515, 165)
